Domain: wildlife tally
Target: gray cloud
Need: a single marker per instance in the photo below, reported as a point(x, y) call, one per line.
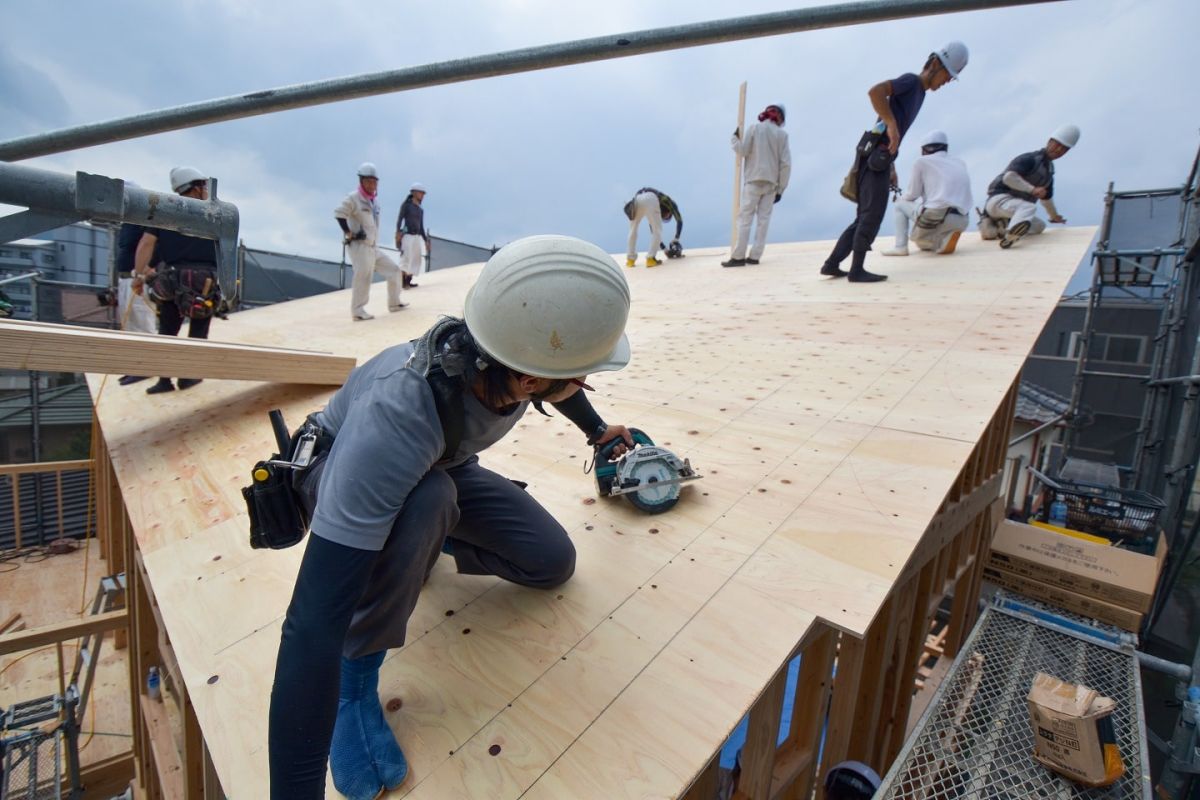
point(562, 150)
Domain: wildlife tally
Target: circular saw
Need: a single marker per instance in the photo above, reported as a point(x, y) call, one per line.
point(647, 475)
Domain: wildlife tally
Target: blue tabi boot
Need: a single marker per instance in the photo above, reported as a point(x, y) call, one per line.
point(364, 756)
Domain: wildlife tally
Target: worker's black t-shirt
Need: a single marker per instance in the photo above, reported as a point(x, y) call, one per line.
point(175, 248)
point(127, 242)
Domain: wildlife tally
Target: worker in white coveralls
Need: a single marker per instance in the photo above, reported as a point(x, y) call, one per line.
point(1011, 209)
point(358, 217)
point(412, 240)
point(938, 200)
point(656, 208)
point(395, 480)
point(766, 168)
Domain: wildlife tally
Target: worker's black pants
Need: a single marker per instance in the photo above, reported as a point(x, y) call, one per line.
point(170, 321)
point(494, 528)
point(873, 186)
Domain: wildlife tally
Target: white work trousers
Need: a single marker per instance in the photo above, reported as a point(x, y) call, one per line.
point(366, 259)
point(645, 206)
point(412, 254)
point(134, 311)
point(1015, 210)
point(927, 238)
point(758, 200)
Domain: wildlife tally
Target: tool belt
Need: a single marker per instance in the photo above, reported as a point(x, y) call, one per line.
point(279, 516)
point(871, 153)
point(191, 286)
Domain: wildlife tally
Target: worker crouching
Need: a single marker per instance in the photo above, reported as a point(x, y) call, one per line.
point(401, 482)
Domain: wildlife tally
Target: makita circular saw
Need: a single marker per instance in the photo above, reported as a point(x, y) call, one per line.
point(647, 475)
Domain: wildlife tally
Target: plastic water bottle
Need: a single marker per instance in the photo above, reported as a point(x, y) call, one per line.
point(1058, 512)
point(153, 682)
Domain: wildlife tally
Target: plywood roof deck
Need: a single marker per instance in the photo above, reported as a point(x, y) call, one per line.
point(829, 419)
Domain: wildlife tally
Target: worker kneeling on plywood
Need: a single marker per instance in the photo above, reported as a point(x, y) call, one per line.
point(402, 482)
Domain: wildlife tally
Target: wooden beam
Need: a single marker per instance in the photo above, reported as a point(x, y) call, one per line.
point(795, 766)
point(762, 734)
point(64, 348)
point(166, 755)
point(708, 785)
point(109, 777)
point(45, 466)
point(62, 632)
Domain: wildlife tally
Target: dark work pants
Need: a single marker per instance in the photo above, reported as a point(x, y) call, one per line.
point(495, 528)
point(873, 187)
point(170, 321)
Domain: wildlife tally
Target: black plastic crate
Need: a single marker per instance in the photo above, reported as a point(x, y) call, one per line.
point(1104, 510)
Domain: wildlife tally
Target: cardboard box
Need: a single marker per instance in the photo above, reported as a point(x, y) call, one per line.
point(1118, 577)
point(1124, 618)
point(1072, 731)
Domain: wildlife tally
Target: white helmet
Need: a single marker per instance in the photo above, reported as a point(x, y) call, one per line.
point(418, 187)
point(1066, 135)
point(551, 307)
point(953, 57)
point(367, 170)
point(935, 137)
point(183, 177)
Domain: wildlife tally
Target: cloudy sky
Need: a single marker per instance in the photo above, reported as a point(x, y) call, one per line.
point(562, 150)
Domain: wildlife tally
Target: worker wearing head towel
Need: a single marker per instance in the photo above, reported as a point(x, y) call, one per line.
point(358, 217)
point(396, 480)
point(1011, 209)
point(938, 200)
point(412, 240)
point(766, 169)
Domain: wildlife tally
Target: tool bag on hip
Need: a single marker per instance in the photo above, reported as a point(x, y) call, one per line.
point(629, 210)
point(870, 153)
point(197, 292)
point(279, 516)
point(192, 288)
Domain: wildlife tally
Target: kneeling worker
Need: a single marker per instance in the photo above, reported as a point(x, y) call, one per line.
point(937, 202)
point(1011, 209)
point(402, 480)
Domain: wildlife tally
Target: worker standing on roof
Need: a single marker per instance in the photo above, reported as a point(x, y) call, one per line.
point(358, 217)
point(655, 207)
point(412, 240)
point(897, 103)
point(766, 168)
point(396, 479)
point(1011, 209)
point(180, 272)
point(938, 200)
point(134, 309)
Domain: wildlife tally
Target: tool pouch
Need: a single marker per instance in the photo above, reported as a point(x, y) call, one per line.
point(197, 292)
point(277, 518)
point(629, 210)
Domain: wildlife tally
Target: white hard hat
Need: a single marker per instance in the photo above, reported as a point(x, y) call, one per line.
point(551, 307)
point(953, 57)
point(367, 170)
point(935, 137)
point(418, 187)
point(183, 177)
point(1066, 135)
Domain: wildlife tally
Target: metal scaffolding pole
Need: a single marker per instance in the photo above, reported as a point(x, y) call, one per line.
point(509, 62)
point(54, 199)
